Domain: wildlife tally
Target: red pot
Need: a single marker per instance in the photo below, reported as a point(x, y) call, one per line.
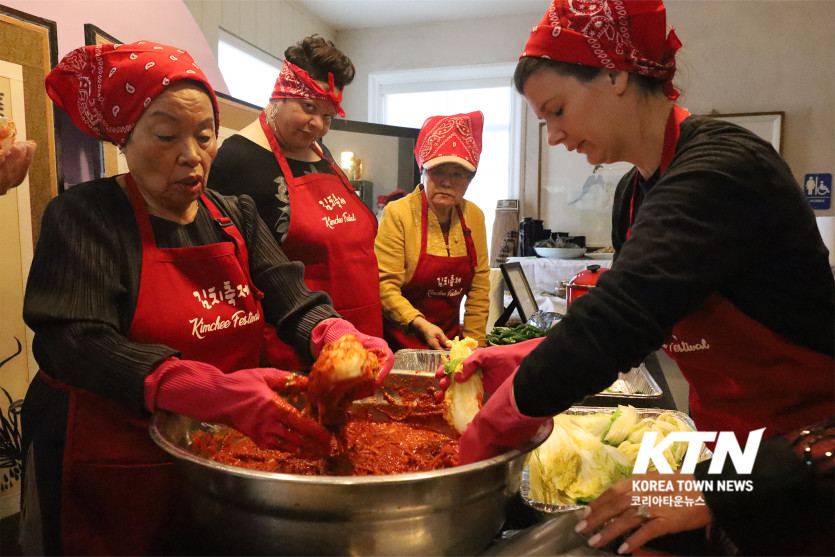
point(582, 283)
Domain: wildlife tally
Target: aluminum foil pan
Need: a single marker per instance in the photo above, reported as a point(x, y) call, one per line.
point(550, 509)
point(418, 361)
point(636, 383)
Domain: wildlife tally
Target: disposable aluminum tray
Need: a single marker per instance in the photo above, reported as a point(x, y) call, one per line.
point(418, 361)
point(550, 509)
point(636, 383)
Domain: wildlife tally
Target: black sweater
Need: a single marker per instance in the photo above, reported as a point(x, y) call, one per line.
point(727, 218)
point(84, 283)
point(244, 167)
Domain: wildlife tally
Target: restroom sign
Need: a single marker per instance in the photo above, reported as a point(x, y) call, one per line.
point(818, 190)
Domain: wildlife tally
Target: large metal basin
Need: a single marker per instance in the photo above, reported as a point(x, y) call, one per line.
point(457, 511)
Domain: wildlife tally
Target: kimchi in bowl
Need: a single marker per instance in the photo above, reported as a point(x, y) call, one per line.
point(450, 511)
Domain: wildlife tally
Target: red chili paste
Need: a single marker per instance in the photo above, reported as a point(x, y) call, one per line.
point(401, 436)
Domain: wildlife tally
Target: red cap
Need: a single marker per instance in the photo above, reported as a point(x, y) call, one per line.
point(105, 88)
point(629, 35)
point(455, 138)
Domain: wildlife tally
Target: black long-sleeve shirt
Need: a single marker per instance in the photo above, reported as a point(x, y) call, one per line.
point(727, 217)
point(243, 167)
point(84, 282)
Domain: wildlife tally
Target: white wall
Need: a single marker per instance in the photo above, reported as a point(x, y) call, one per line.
point(441, 44)
point(163, 21)
point(738, 56)
point(271, 25)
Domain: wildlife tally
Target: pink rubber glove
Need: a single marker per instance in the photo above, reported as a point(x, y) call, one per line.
point(496, 362)
point(245, 400)
point(498, 427)
point(330, 330)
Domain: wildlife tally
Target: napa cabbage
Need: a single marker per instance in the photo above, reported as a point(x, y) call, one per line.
point(597, 423)
point(623, 420)
point(462, 401)
point(572, 464)
point(577, 463)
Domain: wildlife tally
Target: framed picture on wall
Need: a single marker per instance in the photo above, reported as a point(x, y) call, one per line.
point(574, 196)
point(767, 125)
point(110, 160)
point(31, 43)
point(95, 35)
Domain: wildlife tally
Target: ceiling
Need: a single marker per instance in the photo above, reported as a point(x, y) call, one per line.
point(358, 14)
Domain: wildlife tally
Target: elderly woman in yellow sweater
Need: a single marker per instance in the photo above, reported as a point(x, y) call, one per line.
point(431, 245)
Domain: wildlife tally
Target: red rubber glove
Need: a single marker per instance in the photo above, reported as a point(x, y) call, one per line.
point(245, 400)
point(496, 362)
point(498, 427)
point(330, 330)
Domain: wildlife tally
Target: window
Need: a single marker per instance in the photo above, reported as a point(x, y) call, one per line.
point(407, 98)
point(249, 72)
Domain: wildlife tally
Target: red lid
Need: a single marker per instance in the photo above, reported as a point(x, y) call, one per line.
point(588, 277)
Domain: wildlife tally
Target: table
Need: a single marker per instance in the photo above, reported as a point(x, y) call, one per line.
point(666, 401)
point(543, 274)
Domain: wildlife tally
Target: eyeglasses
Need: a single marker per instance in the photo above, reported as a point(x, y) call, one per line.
point(456, 177)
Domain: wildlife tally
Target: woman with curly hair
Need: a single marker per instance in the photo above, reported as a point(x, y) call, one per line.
point(303, 196)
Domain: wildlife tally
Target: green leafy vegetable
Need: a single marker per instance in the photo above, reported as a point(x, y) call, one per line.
point(520, 333)
point(449, 367)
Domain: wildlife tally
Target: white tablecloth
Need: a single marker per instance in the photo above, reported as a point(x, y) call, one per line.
point(543, 276)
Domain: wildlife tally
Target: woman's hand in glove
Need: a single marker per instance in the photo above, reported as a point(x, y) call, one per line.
point(498, 427)
point(496, 362)
point(330, 330)
point(248, 400)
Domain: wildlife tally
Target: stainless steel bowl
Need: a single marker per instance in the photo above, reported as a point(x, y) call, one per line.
point(456, 511)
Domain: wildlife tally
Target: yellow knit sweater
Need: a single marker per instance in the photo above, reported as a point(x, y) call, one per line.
point(398, 248)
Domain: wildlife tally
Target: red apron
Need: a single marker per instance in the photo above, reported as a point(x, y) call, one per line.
point(437, 287)
point(742, 375)
point(332, 232)
point(120, 492)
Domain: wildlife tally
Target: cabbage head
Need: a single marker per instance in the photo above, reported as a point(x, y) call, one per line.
point(623, 420)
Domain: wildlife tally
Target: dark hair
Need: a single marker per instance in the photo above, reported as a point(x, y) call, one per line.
point(319, 57)
point(529, 65)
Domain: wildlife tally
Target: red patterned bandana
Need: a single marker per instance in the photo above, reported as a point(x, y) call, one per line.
point(628, 35)
point(105, 88)
point(454, 138)
point(295, 83)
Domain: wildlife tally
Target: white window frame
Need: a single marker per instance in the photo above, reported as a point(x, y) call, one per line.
point(249, 48)
point(449, 78)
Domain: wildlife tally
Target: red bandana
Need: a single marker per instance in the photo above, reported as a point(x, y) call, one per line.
point(295, 83)
point(454, 138)
point(628, 35)
point(105, 88)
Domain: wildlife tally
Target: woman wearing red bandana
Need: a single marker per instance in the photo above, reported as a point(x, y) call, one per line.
point(709, 228)
point(147, 291)
point(303, 196)
point(432, 244)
